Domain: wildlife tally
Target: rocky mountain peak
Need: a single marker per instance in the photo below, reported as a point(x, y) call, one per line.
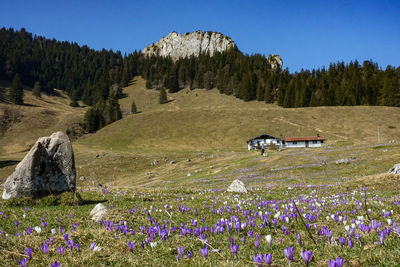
point(178, 46)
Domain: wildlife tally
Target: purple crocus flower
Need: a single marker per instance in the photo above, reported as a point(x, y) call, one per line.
point(131, 245)
point(234, 249)
point(258, 259)
point(339, 261)
point(23, 262)
point(350, 242)
point(16, 223)
point(268, 259)
point(181, 250)
point(55, 264)
point(92, 245)
point(299, 239)
point(342, 241)
point(306, 255)
point(204, 252)
point(45, 247)
point(61, 250)
point(289, 253)
point(189, 254)
point(28, 252)
point(257, 243)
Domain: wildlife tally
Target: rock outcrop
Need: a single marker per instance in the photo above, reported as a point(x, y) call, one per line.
point(237, 186)
point(395, 169)
point(178, 46)
point(275, 61)
point(48, 168)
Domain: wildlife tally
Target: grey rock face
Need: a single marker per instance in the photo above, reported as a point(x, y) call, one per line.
point(98, 212)
point(395, 169)
point(275, 61)
point(48, 168)
point(237, 186)
point(178, 46)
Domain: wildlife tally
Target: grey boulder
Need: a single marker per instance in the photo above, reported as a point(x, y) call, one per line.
point(237, 186)
point(48, 168)
point(98, 212)
point(395, 169)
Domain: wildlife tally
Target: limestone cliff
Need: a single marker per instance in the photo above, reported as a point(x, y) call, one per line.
point(178, 46)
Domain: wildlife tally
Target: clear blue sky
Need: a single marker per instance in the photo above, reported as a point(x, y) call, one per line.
point(307, 34)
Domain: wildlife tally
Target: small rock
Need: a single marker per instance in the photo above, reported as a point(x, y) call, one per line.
point(98, 212)
point(237, 186)
point(188, 160)
point(82, 178)
point(189, 174)
point(342, 161)
point(172, 162)
point(395, 169)
point(154, 162)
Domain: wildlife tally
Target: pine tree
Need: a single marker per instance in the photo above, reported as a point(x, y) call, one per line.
point(16, 92)
point(74, 99)
point(163, 96)
point(133, 108)
point(36, 90)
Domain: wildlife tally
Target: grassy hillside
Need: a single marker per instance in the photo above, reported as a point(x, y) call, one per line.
point(207, 120)
point(211, 130)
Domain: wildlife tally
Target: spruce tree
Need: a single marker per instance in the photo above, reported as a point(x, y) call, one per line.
point(16, 92)
point(74, 99)
point(163, 96)
point(133, 108)
point(36, 90)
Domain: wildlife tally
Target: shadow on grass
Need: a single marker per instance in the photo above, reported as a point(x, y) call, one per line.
point(6, 163)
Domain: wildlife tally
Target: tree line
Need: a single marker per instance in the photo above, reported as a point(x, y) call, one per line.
point(96, 77)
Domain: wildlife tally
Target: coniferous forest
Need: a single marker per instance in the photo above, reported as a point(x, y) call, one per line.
point(92, 76)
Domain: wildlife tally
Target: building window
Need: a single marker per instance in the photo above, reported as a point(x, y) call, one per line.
point(314, 142)
point(294, 143)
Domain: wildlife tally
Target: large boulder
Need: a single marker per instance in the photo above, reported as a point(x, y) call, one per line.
point(237, 186)
point(395, 169)
point(48, 168)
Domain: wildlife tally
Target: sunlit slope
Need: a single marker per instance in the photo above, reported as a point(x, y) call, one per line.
point(207, 120)
point(40, 117)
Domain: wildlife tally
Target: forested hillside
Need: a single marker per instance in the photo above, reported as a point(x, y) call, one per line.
point(89, 75)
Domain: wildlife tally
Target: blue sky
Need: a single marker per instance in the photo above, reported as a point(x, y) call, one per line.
point(307, 34)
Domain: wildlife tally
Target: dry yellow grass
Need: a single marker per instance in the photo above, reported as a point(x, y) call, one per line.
point(208, 120)
point(40, 117)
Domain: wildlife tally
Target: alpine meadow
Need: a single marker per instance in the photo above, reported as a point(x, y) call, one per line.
point(196, 150)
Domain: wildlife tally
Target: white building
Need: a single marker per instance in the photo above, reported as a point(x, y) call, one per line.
point(265, 139)
point(306, 141)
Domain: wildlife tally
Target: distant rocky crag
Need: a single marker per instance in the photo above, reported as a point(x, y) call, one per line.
point(178, 46)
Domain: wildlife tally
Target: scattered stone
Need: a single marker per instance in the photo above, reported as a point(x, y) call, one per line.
point(82, 178)
point(154, 162)
point(98, 212)
point(172, 162)
point(343, 161)
point(188, 160)
point(189, 174)
point(265, 155)
point(395, 169)
point(237, 186)
point(48, 168)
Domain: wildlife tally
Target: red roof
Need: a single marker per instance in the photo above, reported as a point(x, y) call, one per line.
point(305, 138)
